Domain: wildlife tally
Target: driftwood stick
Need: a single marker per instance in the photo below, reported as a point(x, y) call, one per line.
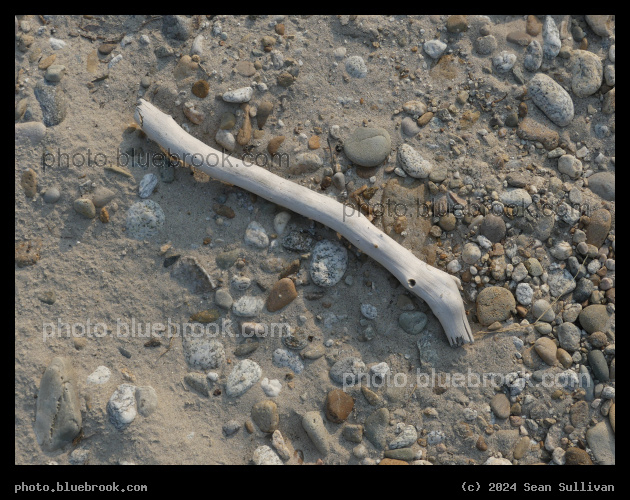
point(437, 288)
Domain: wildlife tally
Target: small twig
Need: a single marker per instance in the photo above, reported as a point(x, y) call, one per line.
point(167, 349)
point(499, 100)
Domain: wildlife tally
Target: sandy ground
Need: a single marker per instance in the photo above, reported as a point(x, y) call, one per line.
point(98, 273)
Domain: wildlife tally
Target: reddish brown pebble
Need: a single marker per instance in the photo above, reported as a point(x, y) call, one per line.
point(245, 133)
point(104, 215)
point(274, 144)
point(281, 294)
point(481, 444)
point(339, 404)
point(223, 211)
point(201, 88)
point(392, 461)
point(313, 142)
point(207, 240)
point(280, 29)
point(106, 48)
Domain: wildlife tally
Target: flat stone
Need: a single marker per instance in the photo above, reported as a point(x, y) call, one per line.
point(598, 227)
point(518, 37)
point(552, 99)
point(53, 102)
point(577, 456)
point(603, 185)
point(146, 400)
point(368, 147)
point(500, 405)
point(198, 383)
point(494, 304)
point(375, 427)
point(532, 130)
point(594, 318)
point(29, 134)
point(587, 73)
point(329, 263)
point(242, 377)
point(281, 294)
point(598, 364)
point(601, 441)
point(413, 322)
point(546, 349)
point(339, 404)
point(58, 415)
point(265, 415)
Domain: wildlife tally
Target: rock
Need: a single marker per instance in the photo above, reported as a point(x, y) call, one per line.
point(144, 219)
point(601, 441)
point(283, 358)
point(398, 455)
point(368, 147)
point(587, 73)
point(146, 400)
point(570, 165)
point(274, 144)
point(599, 365)
point(58, 415)
point(298, 241)
point(52, 101)
point(413, 322)
point(353, 433)
point(409, 127)
point(264, 455)
point(375, 427)
point(500, 405)
point(245, 68)
point(533, 56)
point(29, 134)
point(569, 336)
point(531, 130)
point(243, 94)
point(347, 371)
point(264, 110)
point(577, 456)
point(552, 99)
point(598, 227)
point(485, 45)
point(329, 262)
point(280, 221)
point(579, 414)
point(457, 24)
point(339, 404)
point(29, 183)
point(516, 198)
point(231, 427)
point(203, 353)
point(551, 38)
point(471, 252)
point(256, 236)
point(228, 121)
point(198, 383)
point(285, 79)
point(355, 67)
point(121, 407)
point(247, 306)
point(601, 25)
point(177, 27)
point(546, 349)
point(99, 376)
point(504, 61)
point(611, 416)
point(493, 228)
point(413, 163)
point(608, 106)
point(314, 426)
point(201, 88)
point(102, 196)
point(271, 388)
point(406, 438)
point(594, 318)
point(85, 207)
point(147, 185)
point(54, 73)
point(521, 448)
point(494, 304)
point(518, 37)
point(542, 310)
point(560, 282)
point(603, 184)
point(435, 48)
point(415, 108)
point(265, 416)
point(226, 139)
point(281, 294)
point(242, 377)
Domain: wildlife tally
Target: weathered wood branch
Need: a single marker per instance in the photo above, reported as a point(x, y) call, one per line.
point(437, 288)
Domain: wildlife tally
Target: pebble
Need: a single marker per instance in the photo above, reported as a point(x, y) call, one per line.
point(306, 162)
point(329, 262)
point(493, 227)
point(355, 67)
point(551, 38)
point(54, 73)
point(413, 163)
point(202, 353)
point(562, 250)
point(500, 405)
point(494, 304)
point(198, 383)
point(280, 222)
point(435, 48)
point(409, 126)
point(368, 147)
point(242, 377)
point(570, 165)
point(228, 121)
point(281, 448)
point(56, 44)
point(226, 139)
point(121, 406)
point(247, 306)
point(375, 427)
point(369, 311)
point(231, 427)
point(516, 197)
point(552, 99)
point(298, 241)
point(598, 364)
point(29, 133)
point(265, 415)
point(339, 405)
point(524, 294)
point(577, 456)
point(177, 27)
point(406, 438)
point(601, 441)
point(29, 182)
point(560, 282)
point(99, 376)
point(102, 196)
point(281, 294)
point(287, 359)
point(547, 350)
point(598, 227)
point(599, 24)
point(587, 73)
point(314, 426)
point(415, 108)
point(339, 53)
point(504, 61)
point(144, 219)
point(541, 309)
point(413, 322)
point(147, 185)
point(243, 94)
point(594, 318)
point(347, 371)
point(471, 253)
point(52, 101)
point(271, 388)
point(486, 45)
point(58, 414)
point(85, 207)
point(603, 185)
point(264, 455)
point(146, 400)
point(256, 236)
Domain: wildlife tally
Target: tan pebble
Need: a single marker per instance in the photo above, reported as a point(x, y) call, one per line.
point(274, 144)
point(194, 115)
point(281, 294)
point(425, 118)
point(245, 133)
point(313, 142)
point(264, 110)
point(106, 48)
point(280, 29)
point(47, 61)
point(104, 215)
point(29, 183)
